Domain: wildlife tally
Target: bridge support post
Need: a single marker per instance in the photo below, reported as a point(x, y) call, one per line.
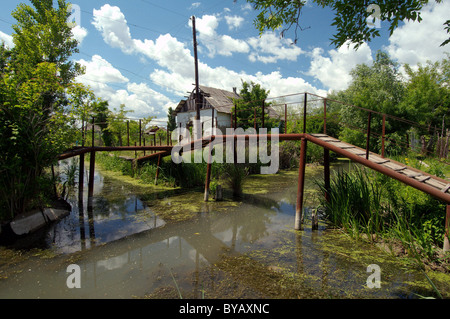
point(91, 178)
point(301, 185)
point(447, 230)
point(81, 178)
point(208, 174)
point(157, 169)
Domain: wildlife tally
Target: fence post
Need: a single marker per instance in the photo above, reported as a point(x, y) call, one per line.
point(235, 115)
point(262, 114)
point(368, 135)
point(285, 118)
point(128, 133)
point(93, 132)
point(140, 132)
point(305, 101)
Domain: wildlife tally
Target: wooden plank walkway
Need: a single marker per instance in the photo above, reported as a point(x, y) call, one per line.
point(432, 185)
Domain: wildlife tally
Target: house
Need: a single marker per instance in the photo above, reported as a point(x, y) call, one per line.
point(215, 108)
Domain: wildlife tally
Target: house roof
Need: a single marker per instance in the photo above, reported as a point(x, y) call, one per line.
point(219, 99)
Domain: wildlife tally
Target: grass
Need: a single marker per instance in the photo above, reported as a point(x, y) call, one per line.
point(371, 205)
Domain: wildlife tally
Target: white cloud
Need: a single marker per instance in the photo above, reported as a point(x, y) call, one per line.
point(102, 71)
point(137, 97)
point(7, 39)
point(111, 22)
point(195, 5)
point(416, 42)
point(246, 7)
point(215, 43)
point(234, 22)
point(334, 71)
point(176, 63)
point(269, 48)
point(79, 33)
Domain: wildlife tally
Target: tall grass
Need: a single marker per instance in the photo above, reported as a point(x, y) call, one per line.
point(367, 202)
point(354, 203)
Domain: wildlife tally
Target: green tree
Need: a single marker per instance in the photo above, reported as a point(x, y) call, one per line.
point(36, 123)
point(350, 17)
point(379, 88)
point(427, 95)
point(253, 97)
point(101, 114)
point(117, 124)
point(171, 121)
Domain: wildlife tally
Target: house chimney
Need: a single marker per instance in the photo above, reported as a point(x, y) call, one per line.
point(234, 90)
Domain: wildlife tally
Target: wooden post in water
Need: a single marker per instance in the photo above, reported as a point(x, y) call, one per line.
point(157, 169)
point(301, 185)
point(91, 178)
point(208, 174)
point(81, 169)
point(81, 178)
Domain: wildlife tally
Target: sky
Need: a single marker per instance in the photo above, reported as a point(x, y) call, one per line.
point(140, 52)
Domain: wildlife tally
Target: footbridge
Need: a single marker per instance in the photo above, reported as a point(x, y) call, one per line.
point(425, 182)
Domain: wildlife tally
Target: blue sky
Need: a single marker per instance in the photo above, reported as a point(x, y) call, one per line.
point(140, 52)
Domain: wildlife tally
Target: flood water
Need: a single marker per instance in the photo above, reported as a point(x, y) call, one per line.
point(141, 242)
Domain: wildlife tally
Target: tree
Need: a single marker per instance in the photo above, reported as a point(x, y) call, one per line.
point(117, 124)
point(350, 19)
point(101, 114)
point(379, 88)
point(427, 94)
point(427, 99)
point(171, 121)
point(253, 97)
point(35, 121)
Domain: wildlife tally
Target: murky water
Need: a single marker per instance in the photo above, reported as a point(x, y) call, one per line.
point(141, 242)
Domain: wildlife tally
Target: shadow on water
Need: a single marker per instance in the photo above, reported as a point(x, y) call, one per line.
point(138, 242)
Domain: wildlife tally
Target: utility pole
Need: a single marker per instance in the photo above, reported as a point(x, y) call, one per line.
point(197, 95)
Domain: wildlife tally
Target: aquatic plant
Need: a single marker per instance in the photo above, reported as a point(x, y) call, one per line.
point(369, 203)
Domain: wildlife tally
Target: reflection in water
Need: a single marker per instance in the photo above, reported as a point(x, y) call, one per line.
point(247, 251)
